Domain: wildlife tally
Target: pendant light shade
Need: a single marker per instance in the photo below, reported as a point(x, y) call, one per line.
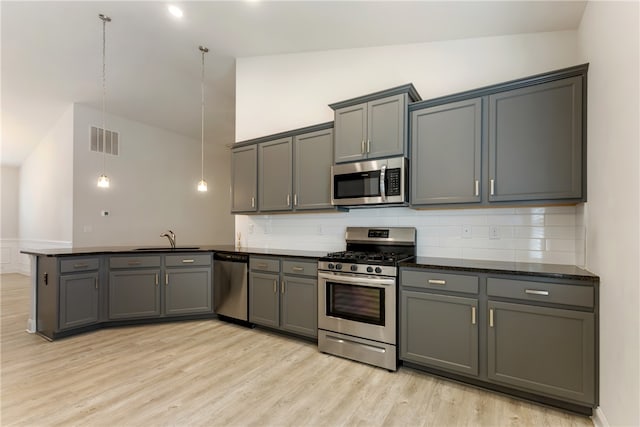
point(103, 179)
point(202, 185)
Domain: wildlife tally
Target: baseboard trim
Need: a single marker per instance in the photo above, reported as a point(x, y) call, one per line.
point(598, 418)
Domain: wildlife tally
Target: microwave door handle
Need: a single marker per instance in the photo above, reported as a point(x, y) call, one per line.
point(383, 193)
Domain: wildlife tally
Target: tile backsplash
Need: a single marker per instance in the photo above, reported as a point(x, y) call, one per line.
point(552, 235)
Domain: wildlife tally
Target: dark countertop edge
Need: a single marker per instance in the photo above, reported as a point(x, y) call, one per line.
point(556, 271)
point(131, 250)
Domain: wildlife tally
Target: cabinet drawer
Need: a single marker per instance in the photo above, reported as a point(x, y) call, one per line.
point(303, 268)
point(540, 291)
point(187, 260)
point(265, 264)
point(441, 281)
point(134, 261)
point(79, 264)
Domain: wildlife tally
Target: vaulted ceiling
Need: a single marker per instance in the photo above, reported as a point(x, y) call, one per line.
point(51, 51)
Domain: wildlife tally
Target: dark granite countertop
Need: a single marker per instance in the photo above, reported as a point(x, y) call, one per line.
point(558, 271)
point(102, 250)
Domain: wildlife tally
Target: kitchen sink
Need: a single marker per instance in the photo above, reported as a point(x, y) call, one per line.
point(164, 248)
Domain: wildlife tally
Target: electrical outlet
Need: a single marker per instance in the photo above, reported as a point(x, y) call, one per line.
point(466, 231)
point(493, 232)
point(104, 213)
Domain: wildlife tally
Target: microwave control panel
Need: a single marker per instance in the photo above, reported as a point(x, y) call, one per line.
point(393, 182)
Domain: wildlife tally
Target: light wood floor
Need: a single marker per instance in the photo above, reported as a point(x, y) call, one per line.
point(214, 373)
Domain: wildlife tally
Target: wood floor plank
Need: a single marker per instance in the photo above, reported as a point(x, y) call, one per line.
point(212, 373)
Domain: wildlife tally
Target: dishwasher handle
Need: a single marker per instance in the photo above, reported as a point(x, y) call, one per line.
point(231, 257)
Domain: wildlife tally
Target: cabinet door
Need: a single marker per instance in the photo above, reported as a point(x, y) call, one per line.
point(314, 157)
point(244, 170)
point(350, 133)
point(387, 127)
point(545, 350)
point(535, 142)
point(78, 300)
point(264, 299)
point(299, 310)
point(134, 294)
point(275, 176)
point(439, 331)
point(446, 153)
point(188, 291)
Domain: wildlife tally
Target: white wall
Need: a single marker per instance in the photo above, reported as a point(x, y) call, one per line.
point(609, 35)
point(153, 187)
point(9, 229)
point(283, 92)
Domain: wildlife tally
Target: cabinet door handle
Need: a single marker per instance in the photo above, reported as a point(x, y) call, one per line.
point(473, 315)
point(134, 263)
point(295, 199)
point(477, 188)
point(275, 286)
point(288, 199)
point(368, 146)
point(166, 279)
point(188, 261)
point(80, 265)
point(536, 292)
point(362, 147)
point(491, 317)
point(156, 279)
point(96, 283)
point(282, 287)
point(253, 202)
point(297, 268)
point(492, 185)
point(437, 282)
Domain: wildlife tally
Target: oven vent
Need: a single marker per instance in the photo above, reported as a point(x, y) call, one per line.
point(110, 145)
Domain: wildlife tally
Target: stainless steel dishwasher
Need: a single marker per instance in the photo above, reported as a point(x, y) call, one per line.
point(230, 290)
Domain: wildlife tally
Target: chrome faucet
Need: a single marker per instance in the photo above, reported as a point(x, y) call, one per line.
point(171, 236)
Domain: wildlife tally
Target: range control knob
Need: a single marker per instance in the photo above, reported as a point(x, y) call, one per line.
point(354, 268)
point(330, 266)
point(369, 269)
point(338, 266)
point(378, 270)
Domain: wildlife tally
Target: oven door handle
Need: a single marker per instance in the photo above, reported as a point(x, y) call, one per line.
point(358, 280)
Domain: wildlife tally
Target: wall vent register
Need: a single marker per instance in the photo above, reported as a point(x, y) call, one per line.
point(110, 145)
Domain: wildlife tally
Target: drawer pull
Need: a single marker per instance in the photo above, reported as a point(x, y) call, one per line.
point(188, 261)
point(297, 268)
point(80, 265)
point(473, 315)
point(134, 263)
point(262, 265)
point(536, 292)
point(491, 317)
point(437, 282)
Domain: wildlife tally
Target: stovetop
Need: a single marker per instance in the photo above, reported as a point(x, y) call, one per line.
point(363, 257)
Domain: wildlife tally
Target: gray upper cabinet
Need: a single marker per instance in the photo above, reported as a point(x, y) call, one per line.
point(275, 174)
point(544, 350)
point(244, 179)
point(373, 126)
point(536, 142)
point(446, 157)
point(312, 179)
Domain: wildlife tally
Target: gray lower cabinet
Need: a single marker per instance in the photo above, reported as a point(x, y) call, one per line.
point(244, 179)
point(535, 142)
point(313, 154)
point(446, 153)
point(439, 331)
point(541, 349)
point(79, 299)
point(283, 294)
point(188, 284)
point(134, 293)
point(275, 176)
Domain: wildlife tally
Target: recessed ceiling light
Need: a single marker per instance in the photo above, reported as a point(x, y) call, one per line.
point(175, 11)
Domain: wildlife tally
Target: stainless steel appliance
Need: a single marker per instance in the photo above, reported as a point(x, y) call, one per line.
point(373, 182)
point(358, 295)
point(230, 296)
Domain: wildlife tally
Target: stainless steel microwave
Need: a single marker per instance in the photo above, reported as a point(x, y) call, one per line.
point(373, 182)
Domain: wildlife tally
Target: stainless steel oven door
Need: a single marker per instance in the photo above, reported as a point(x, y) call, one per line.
point(358, 305)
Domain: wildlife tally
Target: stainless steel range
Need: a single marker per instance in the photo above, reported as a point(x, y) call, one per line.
point(357, 295)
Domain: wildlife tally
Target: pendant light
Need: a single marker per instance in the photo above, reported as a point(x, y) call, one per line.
point(202, 185)
point(103, 180)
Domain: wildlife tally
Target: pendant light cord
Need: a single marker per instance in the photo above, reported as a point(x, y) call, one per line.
point(104, 19)
point(204, 50)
